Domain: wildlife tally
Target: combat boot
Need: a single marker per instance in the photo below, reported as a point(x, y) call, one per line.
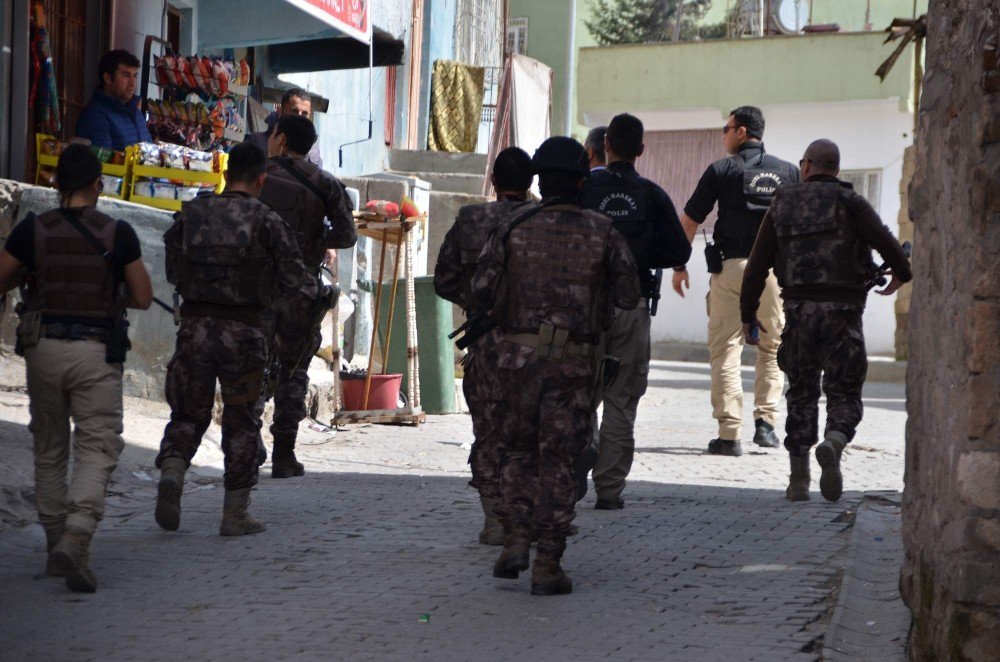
point(831, 482)
point(764, 435)
point(514, 556)
point(492, 533)
point(168, 493)
point(284, 464)
point(70, 556)
point(798, 480)
point(547, 576)
point(235, 520)
point(720, 446)
point(52, 537)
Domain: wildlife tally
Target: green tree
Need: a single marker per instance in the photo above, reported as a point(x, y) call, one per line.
point(644, 21)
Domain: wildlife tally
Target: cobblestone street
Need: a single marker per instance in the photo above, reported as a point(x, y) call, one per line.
point(372, 554)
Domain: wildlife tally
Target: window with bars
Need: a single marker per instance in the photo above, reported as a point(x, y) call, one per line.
point(866, 182)
point(478, 32)
point(517, 36)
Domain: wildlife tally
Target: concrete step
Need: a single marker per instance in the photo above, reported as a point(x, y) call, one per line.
point(448, 182)
point(404, 160)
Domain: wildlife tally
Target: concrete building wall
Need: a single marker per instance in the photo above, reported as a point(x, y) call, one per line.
point(722, 74)
point(550, 39)
point(132, 20)
point(951, 502)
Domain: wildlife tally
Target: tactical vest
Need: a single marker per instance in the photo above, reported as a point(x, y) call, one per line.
point(222, 259)
point(310, 229)
point(625, 202)
point(475, 224)
point(555, 274)
point(760, 177)
point(70, 277)
point(816, 245)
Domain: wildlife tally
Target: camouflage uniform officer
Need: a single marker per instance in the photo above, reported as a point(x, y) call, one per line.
point(229, 255)
point(456, 265)
point(315, 195)
point(818, 237)
point(550, 278)
point(75, 259)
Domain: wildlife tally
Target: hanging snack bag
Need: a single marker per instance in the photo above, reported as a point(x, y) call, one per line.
point(244, 72)
point(162, 79)
point(221, 77)
point(204, 73)
point(188, 72)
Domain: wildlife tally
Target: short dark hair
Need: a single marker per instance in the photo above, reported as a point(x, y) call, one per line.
point(595, 141)
point(751, 118)
point(110, 62)
point(512, 170)
point(299, 131)
point(296, 92)
point(77, 167)
point(625, 134)
point(559, 183)
point(247, 162)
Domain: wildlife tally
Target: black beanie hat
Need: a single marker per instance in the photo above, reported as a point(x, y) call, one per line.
point(78, 166)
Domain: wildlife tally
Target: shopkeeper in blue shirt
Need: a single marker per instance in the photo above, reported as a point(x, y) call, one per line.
point(113, 118)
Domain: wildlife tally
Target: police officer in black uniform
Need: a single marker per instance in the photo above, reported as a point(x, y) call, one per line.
point(742, 185)
point(644, 214)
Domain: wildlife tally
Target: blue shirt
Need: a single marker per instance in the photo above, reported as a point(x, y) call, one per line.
point(107, 122)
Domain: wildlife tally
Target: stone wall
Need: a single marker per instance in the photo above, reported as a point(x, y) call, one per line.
point(951, 521)
point(905, 293)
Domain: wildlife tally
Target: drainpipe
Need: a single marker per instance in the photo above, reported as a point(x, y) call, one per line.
point(371, 90)
point(570, 69)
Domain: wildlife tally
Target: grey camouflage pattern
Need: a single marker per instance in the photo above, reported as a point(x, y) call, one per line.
point(816, 245)
point(233, 353)
point(464, 242)
point(546, 416)
point(823, 345)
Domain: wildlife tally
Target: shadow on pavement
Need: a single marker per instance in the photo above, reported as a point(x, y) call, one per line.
point(384, 566)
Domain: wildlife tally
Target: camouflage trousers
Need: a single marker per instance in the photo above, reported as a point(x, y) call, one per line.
point(290, 396)
point(481, 386)
point(822, 346)
point(546, 420)
point(292, 384)
point(234, 353)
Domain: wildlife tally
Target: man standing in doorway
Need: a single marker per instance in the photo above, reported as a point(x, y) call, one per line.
point(743, 185)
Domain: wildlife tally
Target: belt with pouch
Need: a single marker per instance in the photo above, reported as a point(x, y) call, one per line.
point(553, 343)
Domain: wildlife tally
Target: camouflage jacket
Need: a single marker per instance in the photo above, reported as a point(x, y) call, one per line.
point(239, 224)
point(818, 237)
point(459, 256)
point(563, 266)
point(313, 234)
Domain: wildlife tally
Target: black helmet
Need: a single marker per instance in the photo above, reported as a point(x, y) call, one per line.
point(561, 153)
